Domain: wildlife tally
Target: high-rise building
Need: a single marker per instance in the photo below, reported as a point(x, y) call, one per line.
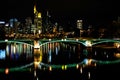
point(80, 26)
point(13, 24)
point(48, 24)
point(37, 21)
point(28, 25)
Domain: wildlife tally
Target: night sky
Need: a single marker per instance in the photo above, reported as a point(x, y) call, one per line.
point(65, 11)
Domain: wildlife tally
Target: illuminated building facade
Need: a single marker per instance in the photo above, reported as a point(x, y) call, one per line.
point(28, 25)
point(37, 21)
point(80, 26)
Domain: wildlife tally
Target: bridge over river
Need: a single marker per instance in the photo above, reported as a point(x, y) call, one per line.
point(36, 56)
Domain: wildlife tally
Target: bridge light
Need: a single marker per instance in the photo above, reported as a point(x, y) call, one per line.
point(76, 39)
point(36, 44)
point(88, 43)
point(49, 39)
point(6, 40)
point(65, 39)
point(87, 61)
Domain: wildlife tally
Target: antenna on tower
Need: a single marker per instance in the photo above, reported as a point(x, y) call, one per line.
point(48, 15)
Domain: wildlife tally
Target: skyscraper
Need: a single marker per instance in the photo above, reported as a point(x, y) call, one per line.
point(37, 21)
point(80, 26)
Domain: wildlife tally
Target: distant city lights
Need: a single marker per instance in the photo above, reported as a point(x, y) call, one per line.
point(2, 22)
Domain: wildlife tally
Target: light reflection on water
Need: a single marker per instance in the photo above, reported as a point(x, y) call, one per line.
point(60, 53)
point(68, 53)
point(15, 54)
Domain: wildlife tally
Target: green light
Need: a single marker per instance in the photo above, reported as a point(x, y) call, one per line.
point(2, 70)
point(21, 70)
point(109, 62)
point(62, 67)
point(15, 70)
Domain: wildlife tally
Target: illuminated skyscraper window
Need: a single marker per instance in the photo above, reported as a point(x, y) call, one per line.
point(79, 24)
point(12, 22)
point(37, 21)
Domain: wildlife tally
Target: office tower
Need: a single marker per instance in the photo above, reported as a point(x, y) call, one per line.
point(80, 26)
point(37, 21)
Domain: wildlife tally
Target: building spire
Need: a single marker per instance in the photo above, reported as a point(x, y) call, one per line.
point(37, 20)
point(35, 10)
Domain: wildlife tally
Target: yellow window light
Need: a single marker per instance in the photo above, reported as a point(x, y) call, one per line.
point(39, 15)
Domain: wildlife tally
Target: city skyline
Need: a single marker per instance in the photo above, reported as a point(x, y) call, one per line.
point(93, 12)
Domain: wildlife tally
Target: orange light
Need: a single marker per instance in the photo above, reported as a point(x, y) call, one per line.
point(6, 71)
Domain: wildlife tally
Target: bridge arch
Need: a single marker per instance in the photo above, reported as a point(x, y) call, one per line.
point(12, 41)
point(74, 41)
point(105, 41)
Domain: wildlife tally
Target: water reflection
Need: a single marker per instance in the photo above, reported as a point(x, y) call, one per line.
point(61, 53)
point(105, 51)
point(60, 57)
point(61, 60)
point(14, 54)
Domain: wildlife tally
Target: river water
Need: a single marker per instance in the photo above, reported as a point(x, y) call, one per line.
point(58, 61)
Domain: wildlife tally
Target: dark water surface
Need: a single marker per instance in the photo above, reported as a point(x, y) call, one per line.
point(59, 62)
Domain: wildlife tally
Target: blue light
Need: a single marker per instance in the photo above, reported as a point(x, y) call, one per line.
point(86, 61)
point(2, 54)
point(2, 22)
